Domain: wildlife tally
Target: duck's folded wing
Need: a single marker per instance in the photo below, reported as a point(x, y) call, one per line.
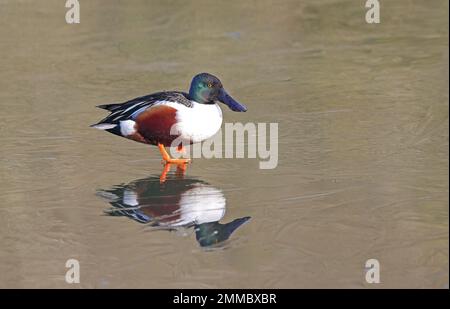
point(131, 109)
point(110, 107)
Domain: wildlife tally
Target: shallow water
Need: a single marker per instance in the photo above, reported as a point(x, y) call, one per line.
point(363, 144)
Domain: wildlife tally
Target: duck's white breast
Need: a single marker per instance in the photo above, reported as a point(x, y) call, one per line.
point(199, 122)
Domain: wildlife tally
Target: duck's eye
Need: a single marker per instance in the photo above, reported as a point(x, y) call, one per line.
point(209, 85)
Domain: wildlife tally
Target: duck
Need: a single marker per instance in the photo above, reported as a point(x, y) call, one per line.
point(168, 117)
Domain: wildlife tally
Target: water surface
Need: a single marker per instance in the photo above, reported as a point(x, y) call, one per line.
point(363, 144)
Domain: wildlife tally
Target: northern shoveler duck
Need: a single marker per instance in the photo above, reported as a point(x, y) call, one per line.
point(179, 205)
point(193, 116)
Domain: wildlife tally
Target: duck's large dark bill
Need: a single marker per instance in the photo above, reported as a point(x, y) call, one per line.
point(235, 106)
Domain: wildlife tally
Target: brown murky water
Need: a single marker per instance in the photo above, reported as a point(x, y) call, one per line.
point(363, 145)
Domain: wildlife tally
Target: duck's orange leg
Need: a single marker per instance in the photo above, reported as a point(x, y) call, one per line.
point(181, 170)
point(166, 157)
point(181, 163)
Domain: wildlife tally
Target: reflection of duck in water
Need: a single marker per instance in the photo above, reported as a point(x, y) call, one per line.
point(180, 203)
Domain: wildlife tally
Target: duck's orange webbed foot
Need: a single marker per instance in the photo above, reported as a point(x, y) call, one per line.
point(167, 159)
point(181, 171)
point(181, 163)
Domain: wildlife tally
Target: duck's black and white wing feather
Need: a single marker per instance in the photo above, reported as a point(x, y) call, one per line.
point(131, 109)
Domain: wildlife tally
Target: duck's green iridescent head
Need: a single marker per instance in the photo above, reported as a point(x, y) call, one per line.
point(207, 89)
